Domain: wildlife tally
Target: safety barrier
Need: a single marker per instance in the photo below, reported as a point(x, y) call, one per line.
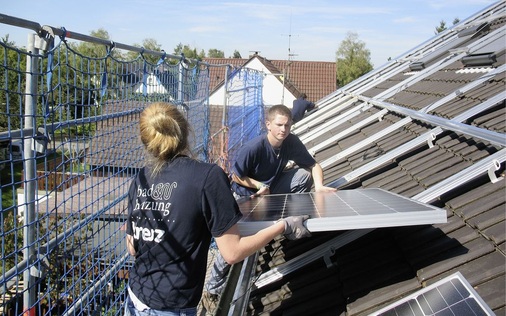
point(69, 106)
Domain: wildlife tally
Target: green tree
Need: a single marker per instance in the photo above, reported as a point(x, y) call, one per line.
point(12, 72)
point(442, 26)
point(353, 59)
point(74, 91)
point(215, 53)
point(94, 50)
point(236, 54)
point(189, 52)
point(148, 44)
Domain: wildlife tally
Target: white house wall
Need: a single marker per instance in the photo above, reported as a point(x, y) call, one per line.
point(272, 88)
point(153, 86)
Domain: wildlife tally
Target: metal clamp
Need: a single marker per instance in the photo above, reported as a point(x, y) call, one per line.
point(328, 262)
point(430, 140)
point(492, 169)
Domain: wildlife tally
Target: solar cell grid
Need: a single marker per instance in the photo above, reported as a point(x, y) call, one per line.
point(340, 210)
point(450, 296)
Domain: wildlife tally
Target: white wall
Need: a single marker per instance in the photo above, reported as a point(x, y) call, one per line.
point(153, 86)
point(272, 88)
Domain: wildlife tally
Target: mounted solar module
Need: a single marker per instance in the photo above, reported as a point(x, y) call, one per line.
point(340, 210)
point(452, 295)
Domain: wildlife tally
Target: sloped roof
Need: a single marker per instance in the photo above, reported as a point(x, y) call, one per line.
point(315, 78)
point(217, 74)
point(437, 135)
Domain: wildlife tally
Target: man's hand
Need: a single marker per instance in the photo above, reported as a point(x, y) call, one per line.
point(295, 228)
point(262, 191)
point(325, 189)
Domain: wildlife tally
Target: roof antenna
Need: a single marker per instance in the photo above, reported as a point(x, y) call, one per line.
point(286, 76)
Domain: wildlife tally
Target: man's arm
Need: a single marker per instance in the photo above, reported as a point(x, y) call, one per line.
point(251, 183)
point(317, 173)
point(310, 106)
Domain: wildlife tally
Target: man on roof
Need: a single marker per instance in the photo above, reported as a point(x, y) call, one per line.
point(260, 169)
point(300, 106)
point(260, 165)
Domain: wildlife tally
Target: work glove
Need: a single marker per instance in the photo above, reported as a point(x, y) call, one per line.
point(295, 228)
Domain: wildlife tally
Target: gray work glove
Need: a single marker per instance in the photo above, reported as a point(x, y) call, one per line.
point(295, 228)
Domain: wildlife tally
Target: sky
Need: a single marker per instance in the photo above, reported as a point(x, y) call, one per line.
point(304, 30)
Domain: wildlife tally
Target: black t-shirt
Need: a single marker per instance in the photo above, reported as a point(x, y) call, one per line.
point(172, 218)
point(300, 106)
point(258, 160)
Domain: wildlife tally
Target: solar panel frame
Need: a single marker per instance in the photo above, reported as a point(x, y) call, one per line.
point(340, 210)
point(452, 295)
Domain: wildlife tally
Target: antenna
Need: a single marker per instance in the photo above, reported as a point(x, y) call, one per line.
point(290, 55)
point(286, 76)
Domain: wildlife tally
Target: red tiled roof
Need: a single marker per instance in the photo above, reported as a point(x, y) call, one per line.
point(315, 78)
point(217, 74)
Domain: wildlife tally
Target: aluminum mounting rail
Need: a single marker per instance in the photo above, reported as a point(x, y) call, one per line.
point(328, 247)
point(333, 123)
point(350, 150)
point(426, 137)
point(415, 79)
point(489, 165)
point(484, 134)
point(453, 125)
point(329, 141)
point(371, 118)
point(325, 114)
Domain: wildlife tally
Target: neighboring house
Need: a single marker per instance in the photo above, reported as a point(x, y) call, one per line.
point(283, 82)
point(161, 80)
point(429, 125)
point(152, 84)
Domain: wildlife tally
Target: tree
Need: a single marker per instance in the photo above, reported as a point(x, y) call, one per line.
point(236, 54)
point(215, 53)
point(94, 50)
point(13, 84)
point(353, 59)
point(442, 26)
point(147, 44)
point(189, 52)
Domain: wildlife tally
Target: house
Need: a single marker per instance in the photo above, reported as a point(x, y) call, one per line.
point(283, 80)
point(162, 80)
point(151, 85)
point(429, 125)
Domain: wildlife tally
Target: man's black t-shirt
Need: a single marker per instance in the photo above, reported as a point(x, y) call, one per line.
point(300, 106)
point(172, 218)
point(258, 160)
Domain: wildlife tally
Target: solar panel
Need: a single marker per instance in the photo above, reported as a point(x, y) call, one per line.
point(340, 210)
point(452, 295)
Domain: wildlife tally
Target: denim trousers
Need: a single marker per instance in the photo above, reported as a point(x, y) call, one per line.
point(130, 310)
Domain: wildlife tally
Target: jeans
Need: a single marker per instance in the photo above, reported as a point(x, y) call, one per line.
point(131, 311)
point(296, 180)
point(219, 273)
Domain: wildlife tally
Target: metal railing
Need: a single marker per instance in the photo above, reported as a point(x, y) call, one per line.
point(71, 102)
